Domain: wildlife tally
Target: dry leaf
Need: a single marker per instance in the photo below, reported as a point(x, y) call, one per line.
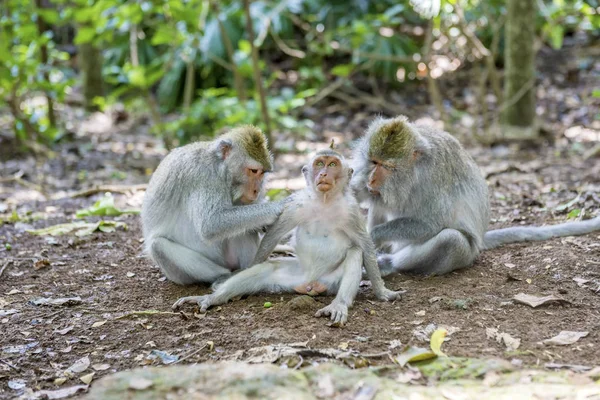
point(565, 338)
point(412, 354)
point(581, 282)
point(130, 274)
point(60, 381)
point(65, 331)
point(100, 367)
point(68, 301)
point(43, 263)
point(59, 394)
point(98, 324)
point(78, 366)
point(87, 379)
point(343, 346)
point(501, 337)
point(420, 313)
point(535, 301)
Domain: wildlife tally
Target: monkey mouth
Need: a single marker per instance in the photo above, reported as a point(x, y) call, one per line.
point(324, 186)
point(374, 192)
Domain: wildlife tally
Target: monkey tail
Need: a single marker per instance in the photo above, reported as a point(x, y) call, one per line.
point(499, 237)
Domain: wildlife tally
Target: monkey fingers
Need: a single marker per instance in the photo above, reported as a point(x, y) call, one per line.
point(389, 295)
point(337, 311)
point(313, 288)
point(204, 302)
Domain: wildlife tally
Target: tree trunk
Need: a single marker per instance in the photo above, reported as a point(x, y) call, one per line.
point(90, 63)
point(518, 109)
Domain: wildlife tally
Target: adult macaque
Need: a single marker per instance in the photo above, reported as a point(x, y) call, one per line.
point(202, 210)
point(332, 245)
point(429, 202)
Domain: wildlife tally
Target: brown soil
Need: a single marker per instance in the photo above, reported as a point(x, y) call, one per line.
point(99, 269)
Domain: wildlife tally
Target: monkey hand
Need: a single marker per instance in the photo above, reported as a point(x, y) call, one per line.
point(337, 311)
point(386, 294)
point(204, 302)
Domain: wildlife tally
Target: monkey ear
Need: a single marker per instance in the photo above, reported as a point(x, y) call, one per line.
point(350, 172)
point(224, 148)
point(304, 169)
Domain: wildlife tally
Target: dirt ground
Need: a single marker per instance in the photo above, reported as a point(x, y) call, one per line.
point(112, 278)
point(108, 273)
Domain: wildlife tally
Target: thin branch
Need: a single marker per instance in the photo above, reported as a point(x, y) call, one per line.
point(257, 76)
point(238, 81)
point(5, 266)
point(123, 189)
point(285, 48)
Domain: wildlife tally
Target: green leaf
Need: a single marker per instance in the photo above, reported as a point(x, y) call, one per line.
point(137, 76)
point(436, 341)
point(342, 70)
point(244, 46)
point(568, 205)
point(50, 16)
point(80, 228)
point(85, 35)
point(596, 93)
point(574, 213)
point(557, 33)
point(412, 354)
point(104, 207)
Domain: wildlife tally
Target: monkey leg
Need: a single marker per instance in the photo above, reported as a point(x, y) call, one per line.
point(183, 265)
point(348, 287)
point(278, 275)
point(449, 250)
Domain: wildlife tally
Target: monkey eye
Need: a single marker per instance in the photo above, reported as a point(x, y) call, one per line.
point(320, 164)
point(332, 164)
point(254, 171)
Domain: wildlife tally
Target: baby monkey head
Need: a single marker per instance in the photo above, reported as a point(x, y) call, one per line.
point(247, 159)
point(327, 172)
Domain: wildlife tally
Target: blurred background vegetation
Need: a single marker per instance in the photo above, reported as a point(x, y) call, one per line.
point(196, 67)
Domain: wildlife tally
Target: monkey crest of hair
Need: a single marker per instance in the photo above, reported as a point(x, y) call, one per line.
point(332, 145)
point(391, 138)
point(253, 140)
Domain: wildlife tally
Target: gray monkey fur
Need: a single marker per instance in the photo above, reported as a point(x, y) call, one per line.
point(194, 228)
point(434, 213)
point(332, 245)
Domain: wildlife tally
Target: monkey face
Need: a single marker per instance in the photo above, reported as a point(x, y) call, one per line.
point(326, 171)
point(252, 183)
point(379, 172)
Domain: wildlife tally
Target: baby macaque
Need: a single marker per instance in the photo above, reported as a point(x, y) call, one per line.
point(332, 245)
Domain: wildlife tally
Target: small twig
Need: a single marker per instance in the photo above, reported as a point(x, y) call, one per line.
point(300, 363)
point(376, 355)
point(10, 365)
point(123, 189)
point(148, 312)
point(285, 48)
point(191, 354)
point(6, 264)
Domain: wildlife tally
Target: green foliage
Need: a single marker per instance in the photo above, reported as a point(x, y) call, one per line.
point(105, 207)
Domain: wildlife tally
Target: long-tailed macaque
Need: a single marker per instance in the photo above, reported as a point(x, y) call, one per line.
point(429, 202)
point(332, 245)
point(203, 208)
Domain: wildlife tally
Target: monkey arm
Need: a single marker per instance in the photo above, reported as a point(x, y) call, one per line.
point(402, 229)
point(358, 235)
point(217, 222)
point(285, 223)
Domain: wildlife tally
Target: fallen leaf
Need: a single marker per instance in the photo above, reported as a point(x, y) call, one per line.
point(565, 338)
point(509, 265)
point(17, 384)
point(130, 274)
point(14, 291)
point(78, 366)
point(87, 379)
point(581, 282)
point(343, 346)
point(39, 264)
point(437, 338)
point(68, 301)
point(65, 330)
point(211, 345)
point(394, 344)
point(501, 337)
point(60, 393)
point(434, 299)
point(98, 324)
point(572, 367)
point(165, 357)
point(412, 354)
point(420, 313)
point(105, 207)
point(535, 301)
point(100, 367)
point(60, 381)
point(4, 313)
point(140, 383)
point(528, 280)
point(66, 349)
point(80, 228)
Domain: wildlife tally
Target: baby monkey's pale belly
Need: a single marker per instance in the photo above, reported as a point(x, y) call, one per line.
point(320, 251)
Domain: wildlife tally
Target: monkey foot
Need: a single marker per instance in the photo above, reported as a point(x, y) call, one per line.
point(204, 302)
point(389, 295)
point(337, 311)
point(313, 288)
point(385, 264)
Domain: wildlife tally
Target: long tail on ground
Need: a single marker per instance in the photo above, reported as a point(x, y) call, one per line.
point(499, 237)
